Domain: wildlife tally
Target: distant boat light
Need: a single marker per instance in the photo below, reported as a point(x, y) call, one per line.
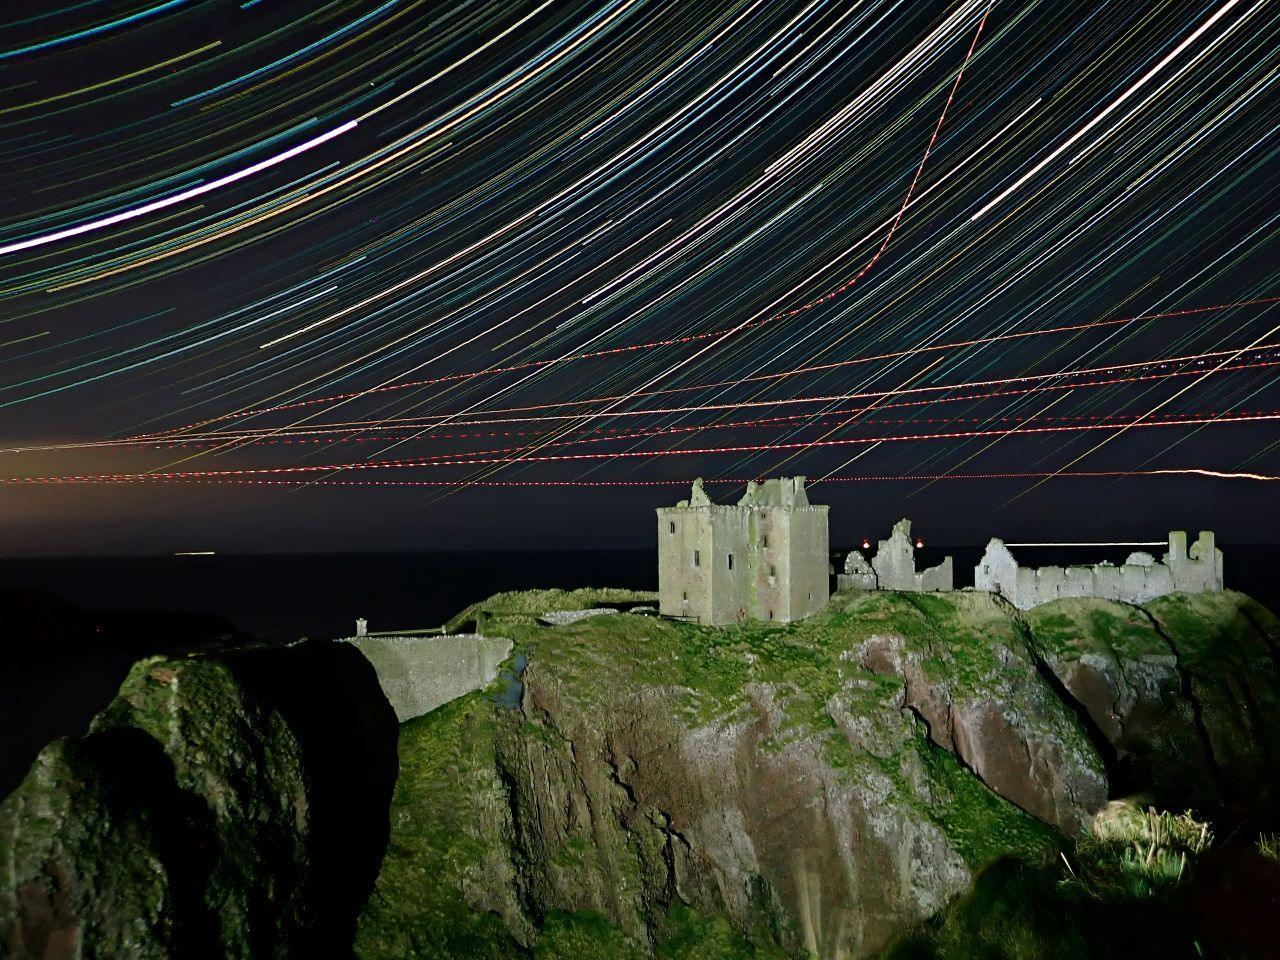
point(194, 553)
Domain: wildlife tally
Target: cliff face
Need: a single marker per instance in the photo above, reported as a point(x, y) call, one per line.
point(630, 786)
point(1183, 693)
point(822, 785)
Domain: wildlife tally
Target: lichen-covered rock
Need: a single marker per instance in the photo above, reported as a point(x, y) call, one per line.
point(821, 786)
point(239, 762)
point(1186, 691)
point(1227, 648)
point(87, 871)
point(177, 825)
point(1110, 657)
point(637, 787)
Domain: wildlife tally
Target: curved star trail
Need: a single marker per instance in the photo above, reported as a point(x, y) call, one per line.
point(615, 245)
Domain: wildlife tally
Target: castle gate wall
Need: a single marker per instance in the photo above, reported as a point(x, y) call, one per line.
point(418, 674)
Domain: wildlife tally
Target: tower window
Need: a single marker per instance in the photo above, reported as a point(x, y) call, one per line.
point(671, 527)
point(764, 541)
point(697, 559)
point(731, 561)
point(685, 596)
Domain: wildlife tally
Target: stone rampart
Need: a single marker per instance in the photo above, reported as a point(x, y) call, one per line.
point(418, 674)
point(1139, 579)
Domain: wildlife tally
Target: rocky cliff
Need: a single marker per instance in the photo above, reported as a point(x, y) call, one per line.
point(635, 787)
point(820, 787)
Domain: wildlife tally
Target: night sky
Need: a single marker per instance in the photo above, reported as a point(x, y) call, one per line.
point(388, 274)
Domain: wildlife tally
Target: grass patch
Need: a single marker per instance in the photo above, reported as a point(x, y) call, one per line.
point(1066, 628)
point(533, 603)
point(584, 935)
point(1268, 845)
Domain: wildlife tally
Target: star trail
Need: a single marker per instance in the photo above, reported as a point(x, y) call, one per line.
point(410, 273)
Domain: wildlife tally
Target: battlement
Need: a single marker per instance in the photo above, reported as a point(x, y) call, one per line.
point(780, 493)
point(1139, 579)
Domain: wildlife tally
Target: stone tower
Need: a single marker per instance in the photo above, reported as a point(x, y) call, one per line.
point(763, 558)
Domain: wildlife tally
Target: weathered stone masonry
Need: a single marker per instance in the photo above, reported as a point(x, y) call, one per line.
point(894, 567)
point(418, 674)
point(1139, 579)
point(763, 558)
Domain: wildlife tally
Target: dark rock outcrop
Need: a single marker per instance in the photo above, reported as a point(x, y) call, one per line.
point(199, 817)
point(1185, 690)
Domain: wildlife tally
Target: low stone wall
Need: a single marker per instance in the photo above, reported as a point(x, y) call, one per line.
point(418, 674)
point(1141, 578)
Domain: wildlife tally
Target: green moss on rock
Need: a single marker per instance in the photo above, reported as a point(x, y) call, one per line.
point(421, 905)
point(646, 753)
point(532, 603)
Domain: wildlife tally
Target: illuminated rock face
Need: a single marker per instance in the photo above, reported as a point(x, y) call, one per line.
point(1139, 579)
point(820, 788)
point(763, 558)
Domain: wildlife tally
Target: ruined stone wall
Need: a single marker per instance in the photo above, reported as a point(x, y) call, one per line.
point(895, 565)
point(772, 561)
point(1198, 570)
point(1138, 580)
point(940, 578)
point(418, 674)
point(684, 589)
point(696, 577)
point(858, 574)
point(732, 582)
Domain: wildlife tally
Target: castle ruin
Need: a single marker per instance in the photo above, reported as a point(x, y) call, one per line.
point(763, 558)
point(766, 558)
point(894, 567)
point(1139, 579)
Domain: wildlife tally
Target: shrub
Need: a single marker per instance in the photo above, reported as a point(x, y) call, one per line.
point(1136, 854)
point(1269, 846)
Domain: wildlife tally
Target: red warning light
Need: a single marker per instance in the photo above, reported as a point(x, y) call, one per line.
point(866, 544)
point(919, 544)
